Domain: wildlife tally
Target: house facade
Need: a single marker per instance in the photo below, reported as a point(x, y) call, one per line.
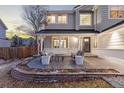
point(82, 28)
point(3, 41)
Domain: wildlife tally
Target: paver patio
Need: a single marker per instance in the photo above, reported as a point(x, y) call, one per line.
point(100, 63)
point(89, 63)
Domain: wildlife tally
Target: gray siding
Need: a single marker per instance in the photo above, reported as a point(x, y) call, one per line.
point(47, 42)
point(103, 20)
point(69, 25)
point(2, 32)
point(100, 19)
point(77, 23)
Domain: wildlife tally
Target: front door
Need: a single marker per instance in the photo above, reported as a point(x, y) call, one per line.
point(86, 44)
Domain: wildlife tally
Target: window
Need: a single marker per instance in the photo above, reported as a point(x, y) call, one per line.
point(116, 11)
point(51, 19)
point(62, 19)
point(85, 19)
point(59, 43)
point(56, 43)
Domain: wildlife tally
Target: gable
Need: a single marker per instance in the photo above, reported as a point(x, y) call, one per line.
point(84, 8)
point(3, 25)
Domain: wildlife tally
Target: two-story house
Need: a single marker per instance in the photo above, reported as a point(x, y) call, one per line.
point(82, 28)
point(3, 41)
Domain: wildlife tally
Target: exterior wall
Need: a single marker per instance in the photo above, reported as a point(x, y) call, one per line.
point(100, 19)
point(111, 43)
point(4, 43)
point(74, 42)
point(103, 20)
point(47, 42)
point(2, 32)
point(69, 25)
point(77, 21)
point(112, 39)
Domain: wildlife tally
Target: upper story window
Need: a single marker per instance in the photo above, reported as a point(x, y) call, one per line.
point(62, 19)
point(116, 11)
point(85, 19)
point(51, 19)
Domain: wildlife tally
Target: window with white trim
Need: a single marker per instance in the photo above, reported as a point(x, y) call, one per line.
point(51, 19)
point(85, 19)
point(62, 19)
point(116, 11)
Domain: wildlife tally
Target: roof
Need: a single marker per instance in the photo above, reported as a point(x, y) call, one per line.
point(117, 24)
point(60, 11)
point(66, 31)
point(1, 22)
point(61, 7)
point(76, 6)
point(84, 7)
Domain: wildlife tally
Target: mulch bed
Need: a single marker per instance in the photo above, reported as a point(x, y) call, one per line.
point(8, 82)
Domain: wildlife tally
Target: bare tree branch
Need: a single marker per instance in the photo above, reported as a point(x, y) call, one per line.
point(35, 16)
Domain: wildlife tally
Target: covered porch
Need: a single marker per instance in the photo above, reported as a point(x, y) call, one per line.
point(67, 43)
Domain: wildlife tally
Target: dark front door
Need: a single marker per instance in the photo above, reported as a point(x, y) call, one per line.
point(86, 44)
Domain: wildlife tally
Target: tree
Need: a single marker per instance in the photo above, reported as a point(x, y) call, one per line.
point(35, 16)
point(24, 28)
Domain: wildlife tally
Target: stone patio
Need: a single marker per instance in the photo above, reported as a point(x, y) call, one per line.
point(100, 63)
point(89, 63)
point(66, 63)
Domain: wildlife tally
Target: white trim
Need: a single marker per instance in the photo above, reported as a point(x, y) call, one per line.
point(90, 17)
point(74, 34)
point(66, 19)
point(51, 15)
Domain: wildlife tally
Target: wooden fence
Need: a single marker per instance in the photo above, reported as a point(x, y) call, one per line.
point(17, 52)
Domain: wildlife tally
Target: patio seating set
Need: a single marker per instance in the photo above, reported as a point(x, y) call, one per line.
point(76, 57)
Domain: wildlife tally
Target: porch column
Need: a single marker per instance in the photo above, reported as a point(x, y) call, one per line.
point(59, 41)
point(78, 42)
point(38, 45)
point(68, 42)
point(81, 43)
point(41, 43)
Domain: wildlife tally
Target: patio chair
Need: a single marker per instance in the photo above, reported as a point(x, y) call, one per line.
point(45, 58)
point(79, 57)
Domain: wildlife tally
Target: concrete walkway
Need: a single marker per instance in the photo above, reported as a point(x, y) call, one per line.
point(116, 82)
point(6, 67)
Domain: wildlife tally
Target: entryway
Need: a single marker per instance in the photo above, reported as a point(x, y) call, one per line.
point(86, 44)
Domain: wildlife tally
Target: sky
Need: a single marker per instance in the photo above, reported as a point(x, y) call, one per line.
point(11, 15)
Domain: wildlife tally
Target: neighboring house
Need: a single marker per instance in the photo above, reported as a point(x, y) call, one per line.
point(83, 28)
point(3, 41)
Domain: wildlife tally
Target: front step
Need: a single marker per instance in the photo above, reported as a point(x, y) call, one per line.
point(90, 55)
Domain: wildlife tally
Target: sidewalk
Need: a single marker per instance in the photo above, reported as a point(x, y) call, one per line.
point(6, 67)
